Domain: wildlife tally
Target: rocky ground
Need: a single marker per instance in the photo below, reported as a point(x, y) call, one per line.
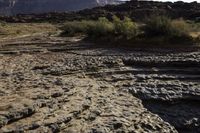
point(52, 84)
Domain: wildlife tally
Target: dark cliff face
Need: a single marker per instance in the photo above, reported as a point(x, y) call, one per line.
point(12, 7)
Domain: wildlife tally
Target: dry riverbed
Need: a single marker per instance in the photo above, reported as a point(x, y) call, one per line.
point(54, 84)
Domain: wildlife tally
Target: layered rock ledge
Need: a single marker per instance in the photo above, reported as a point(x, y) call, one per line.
point(54, 84)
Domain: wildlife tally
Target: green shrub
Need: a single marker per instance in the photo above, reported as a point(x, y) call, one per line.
point(163, 26)
point(101, 28)
point(157, 26)
point(172, 31)
point(117, 25)
point(129, 28)
point(157, 29)
point(125, 28)
point(76, 27)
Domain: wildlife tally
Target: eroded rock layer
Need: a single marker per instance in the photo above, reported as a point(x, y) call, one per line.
point(51, 84)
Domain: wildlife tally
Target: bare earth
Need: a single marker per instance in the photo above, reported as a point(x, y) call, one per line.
point(53, 84)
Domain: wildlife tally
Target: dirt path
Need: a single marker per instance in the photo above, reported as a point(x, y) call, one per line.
point(52, 84)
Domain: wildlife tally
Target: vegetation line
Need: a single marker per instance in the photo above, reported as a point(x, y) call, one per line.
point(155, 30)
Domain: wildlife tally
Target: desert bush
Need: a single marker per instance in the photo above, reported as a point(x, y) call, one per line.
point(126, 28)
point(157, 26)
point(180, 32)
point(72, 28)
point(163, 26)
point(117, 25)
point(157, 29)
point(129, 28)
point(179, 28)
point(101, 28)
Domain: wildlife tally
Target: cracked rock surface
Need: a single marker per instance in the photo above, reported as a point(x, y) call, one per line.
point(53, 84)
